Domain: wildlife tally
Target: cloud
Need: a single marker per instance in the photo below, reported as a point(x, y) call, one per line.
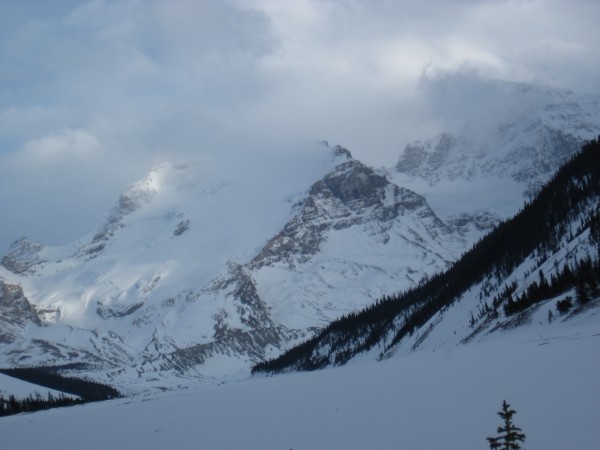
point(55, 149)
point(93, 93)
point(55, 188)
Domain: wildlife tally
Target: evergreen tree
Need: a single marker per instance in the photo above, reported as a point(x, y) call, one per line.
point(595, 230)
point(509, 434)
point(544, 287)
point(581, 292)
point(563, 306)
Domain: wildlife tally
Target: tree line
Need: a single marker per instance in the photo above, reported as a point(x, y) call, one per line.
point(85, 391)
point(36, 402)
point(584, 276)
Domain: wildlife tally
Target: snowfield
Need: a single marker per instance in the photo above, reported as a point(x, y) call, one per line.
point(427, 400)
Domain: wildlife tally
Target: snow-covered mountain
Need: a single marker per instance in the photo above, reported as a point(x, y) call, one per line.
point(202, 269)
point(542, 266)
point(192, 276)
point(484, 170)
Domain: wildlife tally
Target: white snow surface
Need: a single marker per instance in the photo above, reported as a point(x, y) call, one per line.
point(428, 400)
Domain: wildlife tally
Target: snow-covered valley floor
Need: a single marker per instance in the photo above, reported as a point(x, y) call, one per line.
point(429, 400)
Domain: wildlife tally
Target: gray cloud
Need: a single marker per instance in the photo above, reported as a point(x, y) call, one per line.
point(94, 93)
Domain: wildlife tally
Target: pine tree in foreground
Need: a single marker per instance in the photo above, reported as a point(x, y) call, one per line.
point(509, 434)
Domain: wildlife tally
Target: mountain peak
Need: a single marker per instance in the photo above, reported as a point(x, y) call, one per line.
point(22, 255)
point(342, 152)
point(339, 151)
point(351, 195)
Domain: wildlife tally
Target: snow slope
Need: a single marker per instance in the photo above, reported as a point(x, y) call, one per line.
point(427, 400)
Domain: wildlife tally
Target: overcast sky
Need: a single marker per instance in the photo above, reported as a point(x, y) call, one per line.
point(92, 94)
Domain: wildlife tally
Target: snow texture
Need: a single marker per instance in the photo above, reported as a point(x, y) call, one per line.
point(428, 400)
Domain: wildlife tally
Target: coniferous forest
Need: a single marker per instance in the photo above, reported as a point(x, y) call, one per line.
point(570, 197)
point(36, 402)
point(85, 390)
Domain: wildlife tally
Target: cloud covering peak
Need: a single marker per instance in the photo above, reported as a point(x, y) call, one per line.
point(94, 93)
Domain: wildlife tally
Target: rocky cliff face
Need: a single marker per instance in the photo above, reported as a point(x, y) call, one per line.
point(15, 312)
point(352, 195)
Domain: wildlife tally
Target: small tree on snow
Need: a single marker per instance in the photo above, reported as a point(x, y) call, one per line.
point(509, 434)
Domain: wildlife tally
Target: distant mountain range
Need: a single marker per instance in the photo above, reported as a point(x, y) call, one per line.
point(200, 272)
